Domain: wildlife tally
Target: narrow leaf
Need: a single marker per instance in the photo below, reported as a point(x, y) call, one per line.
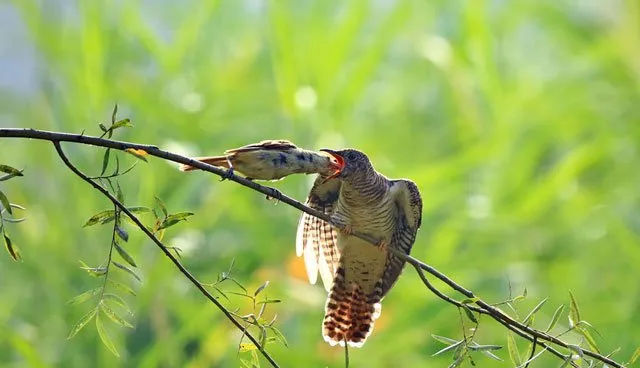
point(247, 346)
point(590, 340)
point(138, 153)
point(122, 233)
point(99, 218)
point(554, 319)
point(103, 128)
point(139, 209)
point(124, 123)
point(81, 298)
point(125, 256)
point(13, 251)
point(260, 288)
point(529, 318)
point(574, 311)
point(127, 270)
point(114, 113)
point(163, 208)
point(119, 194)
point(180, 216)
point(122, 287)
point(105, 161)
point(104, 336)
point(514, 354)
point(469, 314)
point(635, 356)
point(470, 300)
point(10, 170)
point(82, 322)
point(4, 201)
point(118, 301)
point(445, 340)
point(279, 335)
point(114, 316)
point(447, 348)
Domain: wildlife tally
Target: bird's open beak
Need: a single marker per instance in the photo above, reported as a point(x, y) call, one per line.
point(338, 164)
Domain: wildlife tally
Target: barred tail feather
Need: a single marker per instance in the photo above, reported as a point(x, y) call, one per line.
point(220, 161)
point(349, 313)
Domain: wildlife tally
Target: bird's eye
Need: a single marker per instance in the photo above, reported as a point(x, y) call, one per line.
point(351, 156)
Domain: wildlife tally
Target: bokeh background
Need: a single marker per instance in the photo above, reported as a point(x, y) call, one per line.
point(518, 120)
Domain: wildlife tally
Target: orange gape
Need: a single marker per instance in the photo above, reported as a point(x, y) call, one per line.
point(272, 160)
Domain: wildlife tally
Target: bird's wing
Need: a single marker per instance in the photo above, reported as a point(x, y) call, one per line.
point(409, 204)
point(277, 145)
point(316, 239)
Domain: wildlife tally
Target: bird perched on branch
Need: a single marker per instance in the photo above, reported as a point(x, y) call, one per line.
point(271, 160)
point(356, 273)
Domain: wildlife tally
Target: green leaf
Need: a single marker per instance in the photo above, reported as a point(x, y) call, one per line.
point(127, 270)
point(118, 301)
point(124, 123)
point(114, 113)
point(10, 170)
point(122, 233)
point(529, 318)
point(81, 298)
point(163, 208)
point(520, 297)
point(119, 194)
point(268, 301)
point(588, 338)
point(514, 354)
point(469, 314)
point(445, 340)
point(247, 346)
point(260, 288)
point(106, 340)
point(105, 160)
point(486, 350)
point(470, 300)
point(100, 217)
point(574, 311)
point(554, 319)
point(82, 322)
point(103, 128)
point(139, 209)
point(13, 251)
point(4, 201)
point(174, 219)
point(635, 356)
point(279, 335)
point(114, 316)
point(122, 287)
point(125, 256)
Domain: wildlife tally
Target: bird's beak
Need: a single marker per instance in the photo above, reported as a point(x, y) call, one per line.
point(338, 164)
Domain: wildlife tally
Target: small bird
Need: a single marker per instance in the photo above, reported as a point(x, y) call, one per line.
point(356, 273)
point(272, 160)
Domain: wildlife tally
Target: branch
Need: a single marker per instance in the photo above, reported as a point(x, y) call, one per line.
point(533, 335)
point(164, 249)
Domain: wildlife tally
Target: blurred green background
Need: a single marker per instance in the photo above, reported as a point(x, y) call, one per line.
point(519, 121)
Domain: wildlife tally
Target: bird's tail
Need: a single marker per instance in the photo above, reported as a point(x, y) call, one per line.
point(220, 161)
point(349, 313)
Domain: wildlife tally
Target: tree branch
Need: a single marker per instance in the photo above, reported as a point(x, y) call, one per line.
point(533, 335)
point(164, 249)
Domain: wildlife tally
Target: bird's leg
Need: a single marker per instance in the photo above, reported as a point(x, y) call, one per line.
point(342, 225)
point(382, 245)
point(347, 229)
point(229, 172)
point(275, 194)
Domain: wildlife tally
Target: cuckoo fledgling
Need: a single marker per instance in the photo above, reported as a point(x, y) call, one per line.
point(356, 273)
point(272, 160)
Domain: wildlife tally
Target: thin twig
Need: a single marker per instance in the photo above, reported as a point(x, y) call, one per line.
point(164, 249)
point(495, 313)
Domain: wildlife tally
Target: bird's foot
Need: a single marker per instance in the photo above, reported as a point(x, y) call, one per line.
point(227, 175)
point(382, 245)
point(347, 230)
point(275, 194)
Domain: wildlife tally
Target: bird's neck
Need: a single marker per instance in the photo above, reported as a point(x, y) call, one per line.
point(364, 190)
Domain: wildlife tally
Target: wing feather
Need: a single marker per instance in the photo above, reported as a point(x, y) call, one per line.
point(316, 239)
point(409, 205)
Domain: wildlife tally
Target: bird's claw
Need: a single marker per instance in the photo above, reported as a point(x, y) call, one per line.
point(347, 230)
point(382, 245)
point(227, 175)
point(275, 194)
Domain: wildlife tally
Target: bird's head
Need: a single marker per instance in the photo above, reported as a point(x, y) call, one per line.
point(353, 162)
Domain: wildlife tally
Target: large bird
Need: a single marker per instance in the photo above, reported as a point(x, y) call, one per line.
point(356, 273)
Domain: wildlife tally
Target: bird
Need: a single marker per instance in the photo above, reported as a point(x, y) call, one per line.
point(271, 160)
point(357, 274)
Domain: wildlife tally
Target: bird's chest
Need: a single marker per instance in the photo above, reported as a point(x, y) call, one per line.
point(375, 217)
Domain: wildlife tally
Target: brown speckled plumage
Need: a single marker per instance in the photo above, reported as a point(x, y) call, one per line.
point(357, 274)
